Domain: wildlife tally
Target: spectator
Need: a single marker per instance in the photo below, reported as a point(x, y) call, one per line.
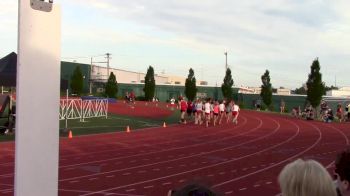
point(282, 106)
point(342, 173)
point(258, 104)
point(347, 109)
point(306, 178)
point(192, 190)
point(296, 112)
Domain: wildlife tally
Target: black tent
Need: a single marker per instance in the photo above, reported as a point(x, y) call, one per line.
point(8, 70)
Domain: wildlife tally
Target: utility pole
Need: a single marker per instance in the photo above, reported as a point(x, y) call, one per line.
point(90, 78)
point(335, 81)
point(226, 59)
point(108, 57)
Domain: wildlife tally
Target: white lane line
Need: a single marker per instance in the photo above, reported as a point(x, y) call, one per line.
point(257, 185)
point(129, 190)
point(74, 181)
point(283, 161)
point(268, 182)
point(228, 192)
point(198, 154)
point(148, 187)
point(142, 171)
point(111, 176)
point(242, 189)
point(166, 183)
point(91, 179)
point(156, 169)
point(126, 174)
point(222, 173)
point(182, 180)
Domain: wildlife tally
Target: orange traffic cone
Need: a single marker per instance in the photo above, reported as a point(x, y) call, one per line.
point(128, 129)
point(164, 125)
point(70, 135)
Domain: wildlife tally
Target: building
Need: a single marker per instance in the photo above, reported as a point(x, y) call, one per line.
point(99, 74)
point(283, 91)
point(341, 92)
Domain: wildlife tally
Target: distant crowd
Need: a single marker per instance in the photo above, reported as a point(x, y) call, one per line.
point(326, 113)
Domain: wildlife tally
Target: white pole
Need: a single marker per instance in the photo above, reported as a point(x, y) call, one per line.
point(38, 96)
point(2, 90)
point(66, 113)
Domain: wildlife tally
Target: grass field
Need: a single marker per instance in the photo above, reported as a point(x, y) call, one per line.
point(113, 123)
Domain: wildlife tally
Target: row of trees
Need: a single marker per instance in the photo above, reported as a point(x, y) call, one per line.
point(314, 89)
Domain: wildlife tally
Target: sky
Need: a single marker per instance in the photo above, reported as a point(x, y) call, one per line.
point(283, 36)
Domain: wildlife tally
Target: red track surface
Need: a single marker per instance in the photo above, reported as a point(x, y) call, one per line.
point(140, 109)
point(234, 160)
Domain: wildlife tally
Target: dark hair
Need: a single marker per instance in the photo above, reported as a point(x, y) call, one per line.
point(342, 165)
point(193, 190)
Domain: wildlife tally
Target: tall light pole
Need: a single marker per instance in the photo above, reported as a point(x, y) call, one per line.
point(108, 57)
point(226, 59)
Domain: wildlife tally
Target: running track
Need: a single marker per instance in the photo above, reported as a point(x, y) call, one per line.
point(244, 159)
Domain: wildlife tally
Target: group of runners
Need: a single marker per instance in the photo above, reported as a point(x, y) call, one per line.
point(208, 111)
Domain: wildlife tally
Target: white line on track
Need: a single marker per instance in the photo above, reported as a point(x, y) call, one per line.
point(171, 141)
point(166, 150)
point(206, 167)
point(279, 163)
point(199, 154)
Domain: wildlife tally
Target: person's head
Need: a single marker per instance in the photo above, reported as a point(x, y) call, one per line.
point(306, 178)
point(192, 190)
point(342, 172)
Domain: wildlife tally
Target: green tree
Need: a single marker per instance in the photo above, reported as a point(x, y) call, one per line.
point(266, 89)
point(300, 91)
point(190, 86)
point(77, 82)
point(150, 84)
point(111, 88)
point(315, 86)
point(226, 87)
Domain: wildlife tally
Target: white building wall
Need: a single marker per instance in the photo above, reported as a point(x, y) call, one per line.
point(283, 91)
point(123, 76)
point(338, 93)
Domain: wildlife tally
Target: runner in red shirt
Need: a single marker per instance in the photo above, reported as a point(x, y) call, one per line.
point(183, 109)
